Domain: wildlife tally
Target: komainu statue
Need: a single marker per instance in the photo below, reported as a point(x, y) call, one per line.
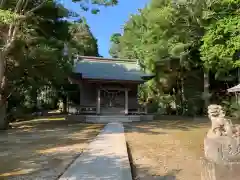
point(222, 141)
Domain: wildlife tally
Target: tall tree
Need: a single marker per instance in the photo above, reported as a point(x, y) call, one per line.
point(175, 38)
point(115, 45)
point(164, 36)
point(221, 43)
point(20, 23)
point(82, 40)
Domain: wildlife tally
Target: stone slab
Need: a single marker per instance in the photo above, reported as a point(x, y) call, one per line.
point(106, 158)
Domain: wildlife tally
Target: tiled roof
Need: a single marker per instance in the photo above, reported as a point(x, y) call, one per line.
point(109, 69)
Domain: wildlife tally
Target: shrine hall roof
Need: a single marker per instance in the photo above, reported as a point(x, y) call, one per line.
point(109, 69)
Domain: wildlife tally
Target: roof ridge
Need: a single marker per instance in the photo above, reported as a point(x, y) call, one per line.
point(108, 59)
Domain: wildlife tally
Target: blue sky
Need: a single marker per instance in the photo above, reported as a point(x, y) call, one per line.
point(110, 20)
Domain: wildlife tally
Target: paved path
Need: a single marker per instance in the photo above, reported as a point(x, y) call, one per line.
point(106, 158)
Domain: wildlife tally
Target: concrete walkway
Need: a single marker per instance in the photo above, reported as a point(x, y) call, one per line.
point(106, 158)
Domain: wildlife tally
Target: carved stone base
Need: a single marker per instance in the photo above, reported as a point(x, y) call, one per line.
point(222, 149)
point(213, 171)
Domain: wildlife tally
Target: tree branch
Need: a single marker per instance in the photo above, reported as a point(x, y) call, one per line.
point(25, 6)
point(12, 32)
point(18, 6)
point(2, 3)
point(36, 8)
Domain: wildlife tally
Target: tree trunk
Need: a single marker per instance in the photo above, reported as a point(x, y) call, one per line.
point(179, 97)
point(180, 84)
point(206, 89)
point(238, 75)
point(33, 95)
point(3, 119)
point(64, 104)
point(183, 99)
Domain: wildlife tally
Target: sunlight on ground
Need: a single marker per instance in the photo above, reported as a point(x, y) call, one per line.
point(61, 149)
point(192, 140)
point(61, 118)
point(160, 148)
point(42, 149)
point(17, 172)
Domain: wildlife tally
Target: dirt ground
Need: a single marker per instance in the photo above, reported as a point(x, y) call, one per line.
point(166, 150)
point(42, 149)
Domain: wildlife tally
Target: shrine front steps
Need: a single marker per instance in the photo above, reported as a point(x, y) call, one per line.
point(108, 118)
point(112, 118)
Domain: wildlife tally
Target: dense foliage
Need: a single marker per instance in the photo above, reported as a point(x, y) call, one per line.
point(192, 46)
point(34, 35)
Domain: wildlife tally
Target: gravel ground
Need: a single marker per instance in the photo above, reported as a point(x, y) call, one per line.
point(42, 150)
point(166, 150)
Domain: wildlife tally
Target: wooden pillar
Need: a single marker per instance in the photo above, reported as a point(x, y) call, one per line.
point(98, 101)
point(146, 109)
point(79, 110)
point(126, 101)
point(80, 95)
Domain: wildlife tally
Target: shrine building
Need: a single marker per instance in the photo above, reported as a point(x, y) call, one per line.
point(108, 85)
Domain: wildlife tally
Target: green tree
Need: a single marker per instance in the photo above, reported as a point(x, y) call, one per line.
point(166, 36)
point(115, 45)
point(221, 42)
point(179, 39)
point(22, 22)
point(36, 57)
point(82, 40)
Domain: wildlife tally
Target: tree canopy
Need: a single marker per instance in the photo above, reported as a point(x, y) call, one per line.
point(34, 35)
point(115, 42)
point(179, 39)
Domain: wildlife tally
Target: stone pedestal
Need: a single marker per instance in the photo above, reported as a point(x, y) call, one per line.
point(222, 158)
point(222, 149)
point(214, 171)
